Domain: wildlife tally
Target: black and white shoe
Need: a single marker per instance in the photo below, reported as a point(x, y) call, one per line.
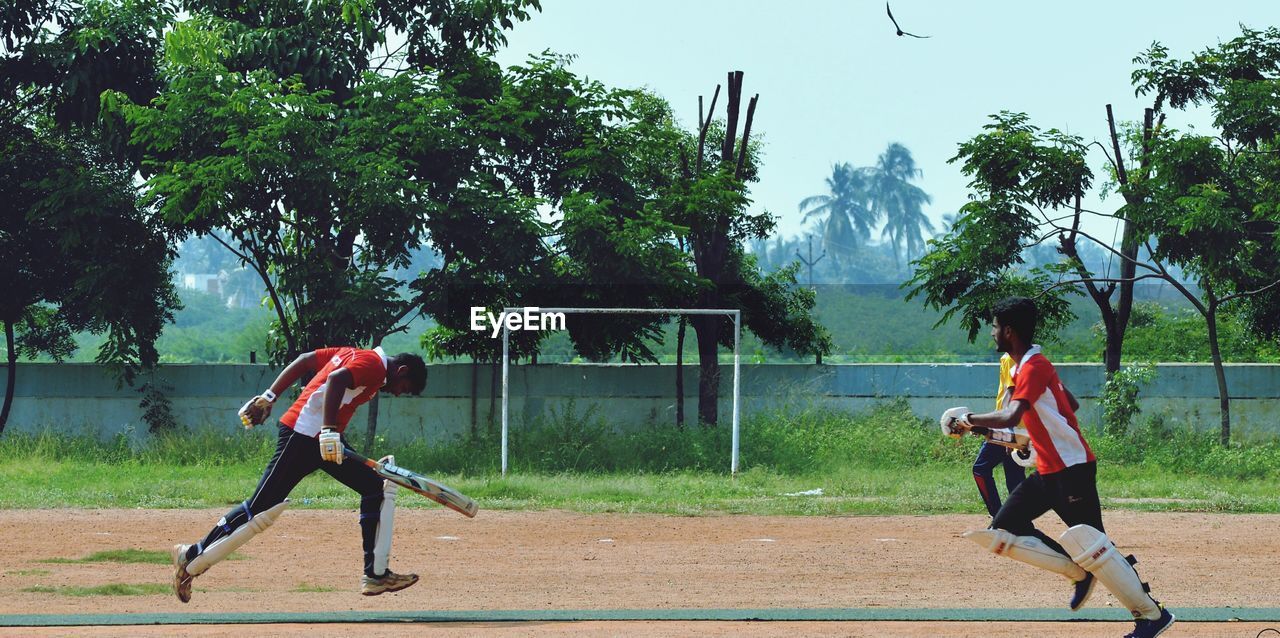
point(1144, 628)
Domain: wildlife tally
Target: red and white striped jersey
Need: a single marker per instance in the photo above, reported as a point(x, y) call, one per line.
point(1050, 422)
point(369, 372)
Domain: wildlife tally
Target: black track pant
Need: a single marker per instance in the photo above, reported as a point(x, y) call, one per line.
point(298, 455)
point(1071, 493)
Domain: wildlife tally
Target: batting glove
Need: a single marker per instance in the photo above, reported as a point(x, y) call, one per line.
point(955, 422)
point(257, 409)
point(331, 448)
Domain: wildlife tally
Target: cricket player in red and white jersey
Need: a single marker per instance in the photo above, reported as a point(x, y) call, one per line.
point(309, 439)
point(1065, 480)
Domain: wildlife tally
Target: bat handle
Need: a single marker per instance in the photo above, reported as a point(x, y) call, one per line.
point(358, 458)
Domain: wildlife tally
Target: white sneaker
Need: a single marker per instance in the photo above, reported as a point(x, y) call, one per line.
point(390, 581)
point(181, 579)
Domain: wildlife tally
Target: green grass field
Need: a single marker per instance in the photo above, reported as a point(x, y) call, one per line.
point(882, 461)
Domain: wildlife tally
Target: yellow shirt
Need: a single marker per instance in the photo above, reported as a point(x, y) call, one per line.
point(1006, 379)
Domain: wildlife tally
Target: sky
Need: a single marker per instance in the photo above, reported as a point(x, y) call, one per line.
point(836, 83)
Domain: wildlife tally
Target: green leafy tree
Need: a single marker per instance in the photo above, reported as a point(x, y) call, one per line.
point(77, 253)
point(1195, 203)
point(1212, 202)
point(966, 271)
point(711, 200)
point(326, 157)
point(77, 250)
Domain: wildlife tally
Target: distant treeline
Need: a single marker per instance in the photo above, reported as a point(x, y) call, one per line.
point(868, 323)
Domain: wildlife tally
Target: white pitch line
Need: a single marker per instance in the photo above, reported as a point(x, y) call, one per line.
point(446, 538)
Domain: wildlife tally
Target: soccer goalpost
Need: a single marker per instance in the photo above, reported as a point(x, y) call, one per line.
point(737, 333)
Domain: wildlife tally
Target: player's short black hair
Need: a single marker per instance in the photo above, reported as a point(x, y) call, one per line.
point(1019, 313)
point(417, 370)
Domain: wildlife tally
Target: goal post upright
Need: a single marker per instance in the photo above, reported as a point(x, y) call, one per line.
point(737, 337)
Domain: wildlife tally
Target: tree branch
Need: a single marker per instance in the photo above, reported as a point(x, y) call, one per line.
point(1061, 230)
point(1105, 154)
point(1113, 280)
point(702, 132)
point(1248, 293)
point(243, 258)
point(1121, 175)
point(746, 136)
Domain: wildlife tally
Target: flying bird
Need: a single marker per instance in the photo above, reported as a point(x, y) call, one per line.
point(895, 24)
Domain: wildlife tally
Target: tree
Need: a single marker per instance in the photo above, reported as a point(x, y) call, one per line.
point(77, 250)
point(1022, 175)
point(1202, 204)
point(711, 201)
point(948, 222)
point(849, 215)
point(1212, 202)
point(899, 202)
point(77, 253)
point(272, 126)
point(776, 254)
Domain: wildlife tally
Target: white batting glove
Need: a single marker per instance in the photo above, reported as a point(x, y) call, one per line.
point(1025, 459)
point(955, 422)
point(257, 409)
point(331, 445)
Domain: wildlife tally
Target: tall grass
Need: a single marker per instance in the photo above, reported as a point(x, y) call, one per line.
point(796, 441)
point(881, 460)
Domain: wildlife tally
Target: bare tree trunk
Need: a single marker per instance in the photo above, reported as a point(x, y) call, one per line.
point(13, 373)
point(679, 374)
point(475, 391)
point(1224, 398)
point(1114, 322)
point(1111, 350)
point(708, 329)
point(493, 392)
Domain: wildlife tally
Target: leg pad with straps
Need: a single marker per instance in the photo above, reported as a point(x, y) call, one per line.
point(387, 517)
point(1026, 549)
point(1095, 552)
point(223, 547)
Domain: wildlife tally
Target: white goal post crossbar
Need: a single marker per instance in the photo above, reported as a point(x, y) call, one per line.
point(737, 334)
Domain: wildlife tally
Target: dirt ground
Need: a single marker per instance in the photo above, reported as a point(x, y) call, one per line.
point(310, 561)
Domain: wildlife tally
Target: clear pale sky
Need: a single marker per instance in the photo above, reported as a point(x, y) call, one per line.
point(837, 85)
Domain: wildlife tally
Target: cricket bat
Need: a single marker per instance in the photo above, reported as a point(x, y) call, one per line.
point(1015, 439)
point(438, 492)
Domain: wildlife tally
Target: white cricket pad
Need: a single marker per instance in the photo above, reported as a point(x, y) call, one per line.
point(1026, 549)
point(223, 547)
point(387, 518)
point(1095, 552)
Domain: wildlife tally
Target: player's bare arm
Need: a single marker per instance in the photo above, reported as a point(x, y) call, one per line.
point(257, 409)
point(336, 386)
point(1071, 399)
point(1008, 417)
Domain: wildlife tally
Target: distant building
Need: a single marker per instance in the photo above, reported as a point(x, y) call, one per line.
point(210, 283)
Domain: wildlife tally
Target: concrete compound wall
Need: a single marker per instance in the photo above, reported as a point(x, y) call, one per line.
point(84, 398)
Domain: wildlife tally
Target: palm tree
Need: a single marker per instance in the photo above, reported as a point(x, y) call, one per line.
point(899, 201)
point(774, 255)
point(948, 222)
point(849, 216)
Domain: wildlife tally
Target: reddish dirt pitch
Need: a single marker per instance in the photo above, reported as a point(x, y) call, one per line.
point(560, 560)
